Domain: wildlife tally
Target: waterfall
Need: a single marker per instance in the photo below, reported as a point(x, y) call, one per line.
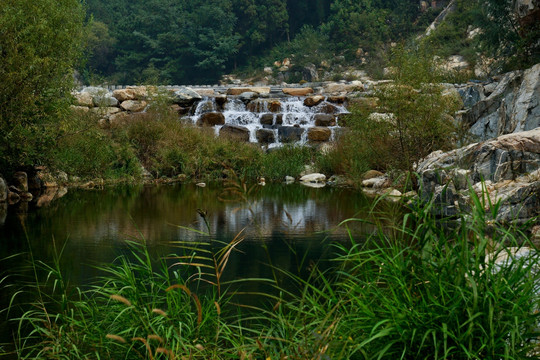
point(272, 121)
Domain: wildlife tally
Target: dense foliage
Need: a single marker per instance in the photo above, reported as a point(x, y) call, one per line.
point(39, 46)
point(196, 41)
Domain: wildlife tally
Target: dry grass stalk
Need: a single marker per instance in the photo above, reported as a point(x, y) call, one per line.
point(116, 338)
point(159, 312)
point(121, 299)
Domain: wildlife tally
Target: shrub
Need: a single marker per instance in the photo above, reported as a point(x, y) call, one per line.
point(40, 41)
point(413, 118)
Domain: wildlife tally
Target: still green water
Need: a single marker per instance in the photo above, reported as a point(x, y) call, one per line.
point(289, 227)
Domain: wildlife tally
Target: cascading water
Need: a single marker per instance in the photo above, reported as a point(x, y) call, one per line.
point(272, 121)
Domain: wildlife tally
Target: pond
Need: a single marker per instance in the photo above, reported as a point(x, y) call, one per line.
point(287, 226)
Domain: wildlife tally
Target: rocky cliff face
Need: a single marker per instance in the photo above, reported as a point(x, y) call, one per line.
point(505, 106)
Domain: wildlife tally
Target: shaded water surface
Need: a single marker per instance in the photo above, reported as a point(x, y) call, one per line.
point(287, 226)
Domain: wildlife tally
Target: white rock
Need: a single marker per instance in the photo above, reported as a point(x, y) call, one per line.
point(313, 178)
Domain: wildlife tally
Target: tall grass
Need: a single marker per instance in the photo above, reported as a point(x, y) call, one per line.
point(422, 288)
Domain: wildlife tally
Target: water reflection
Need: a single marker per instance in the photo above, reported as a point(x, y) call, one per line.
point(285, 226)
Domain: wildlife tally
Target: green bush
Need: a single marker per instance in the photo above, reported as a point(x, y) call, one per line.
point(414, 118)
point(40, 42)
point(83, 149)
point(288, 160)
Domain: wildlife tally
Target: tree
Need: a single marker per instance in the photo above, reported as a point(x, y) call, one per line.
point(40, 41)
point(507, 36)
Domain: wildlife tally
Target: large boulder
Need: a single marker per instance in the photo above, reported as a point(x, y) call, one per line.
point(298, 91)
point(504, 169)
point(131, 93)
point(83, 99)
point(324, 120)
point(239, 133)
point(265, 136)
point(185, 96)
point(311, 101)
point(290, 133)
point(101, 97)
point(513, 106)
point(133, 105)
point(211, 119)
point(309, 73)
point(319, 134)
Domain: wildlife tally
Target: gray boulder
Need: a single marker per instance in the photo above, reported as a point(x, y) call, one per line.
point(186, 96)
point(505, 169)
point(290, 133)
point(511, 107)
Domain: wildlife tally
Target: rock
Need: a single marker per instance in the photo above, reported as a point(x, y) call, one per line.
point(334, 88)
point(370, 174)
point(265, 136)
point(20, 182)
point(290, 133)
point(264, 105)
point(455, 63)
point(240, 90)
point(337, 99)
point(319, 134)
point(298, 91)
point(324, 120)
point(133, 105)
point(101, 97)
point(328, 108)
point(267, 119)
point(221, 100)
point(470, 95)
point(238, 133)
point(205, 91)
point(105, 112)
point(131, 93)
point(289, 179)
point(3, 190)
point(211, 119)
point(313, 178)
point(392, 195)
point(13, 198)
point(46, 197)
point(337, 180)
point(186, 96)
point(248, 96)
point(309, 73)
point(268, 70)
point(83, 99)
point(79, 109)
point(376, 182)
point(313, 100)
point(512, 107)
point(504, 169)
point(201, 184)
